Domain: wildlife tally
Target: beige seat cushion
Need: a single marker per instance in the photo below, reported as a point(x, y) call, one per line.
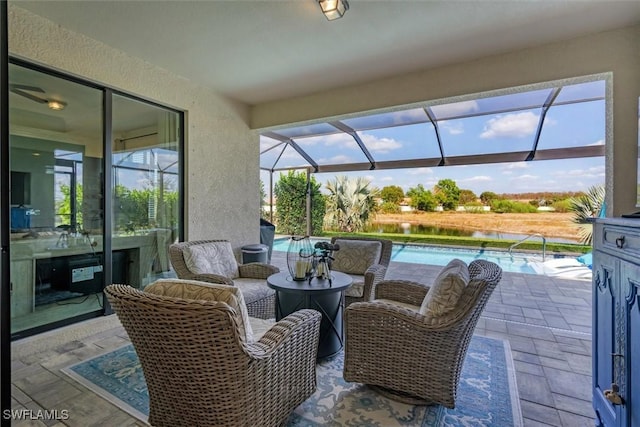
point(355, 256)
point(447, 288)
point(194, 290)
point(253, 289)
point(212, 258)
point(399, 303)
point(356, 290)
point(260, 326)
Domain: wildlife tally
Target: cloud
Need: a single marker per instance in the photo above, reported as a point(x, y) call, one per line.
point(598, 142)
point(266, 143)
point(421, 171)
point(517, 125)
point(592, 172)
point(341, 139)
point(339, 159)
point(477, 178)
point(456, 128)
point(291, 153)
point(455, 109)
point(379, 145)
point(509, 168)
point(408, 115)
point(525, 177)
point(516, 165)
point(597, 170)
point(387, 178)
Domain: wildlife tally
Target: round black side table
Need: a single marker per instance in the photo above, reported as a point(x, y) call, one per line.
point(294, 295)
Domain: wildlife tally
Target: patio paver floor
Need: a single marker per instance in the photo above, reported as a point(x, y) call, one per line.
point(547, 322)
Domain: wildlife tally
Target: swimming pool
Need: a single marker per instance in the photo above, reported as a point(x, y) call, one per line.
point(422, 254)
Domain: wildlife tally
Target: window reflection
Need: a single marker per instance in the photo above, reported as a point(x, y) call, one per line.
point(59, 266)
point(146, 187)
point(57, 263)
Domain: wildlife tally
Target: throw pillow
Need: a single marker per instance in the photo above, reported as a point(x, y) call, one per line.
point(194, 290)
point(355, 256)
point(213, 258)
point(443, 296)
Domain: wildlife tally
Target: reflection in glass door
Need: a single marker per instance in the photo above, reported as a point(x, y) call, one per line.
point(145, 162)
point(60, 258)
point(56, 199)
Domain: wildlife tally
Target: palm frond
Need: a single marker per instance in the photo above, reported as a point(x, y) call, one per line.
point(585, 208)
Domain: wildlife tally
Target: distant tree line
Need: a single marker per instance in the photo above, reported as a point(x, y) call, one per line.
point(350, 202)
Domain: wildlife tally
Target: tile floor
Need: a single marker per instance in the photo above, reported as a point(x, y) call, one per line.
point(547, 322)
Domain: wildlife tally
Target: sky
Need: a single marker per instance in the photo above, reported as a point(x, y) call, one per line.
point(488, 125)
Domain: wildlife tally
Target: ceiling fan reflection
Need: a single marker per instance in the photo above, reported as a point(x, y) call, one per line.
point(23, 90)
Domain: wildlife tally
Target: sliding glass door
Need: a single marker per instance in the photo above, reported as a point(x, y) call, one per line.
point(55, 142)
point(61, 259)
point(145, 162)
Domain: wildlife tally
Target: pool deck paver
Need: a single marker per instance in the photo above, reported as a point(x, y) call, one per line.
point(547, 322)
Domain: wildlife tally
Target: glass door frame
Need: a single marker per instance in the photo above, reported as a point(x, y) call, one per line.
point(107, 193)
point(5, 231)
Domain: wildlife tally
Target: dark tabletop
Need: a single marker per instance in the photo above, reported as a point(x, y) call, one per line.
point(283, 282)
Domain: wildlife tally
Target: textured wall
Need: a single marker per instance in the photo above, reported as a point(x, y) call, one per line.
point(222, 153)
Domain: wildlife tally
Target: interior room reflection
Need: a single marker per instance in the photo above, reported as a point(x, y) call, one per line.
point(57, 196)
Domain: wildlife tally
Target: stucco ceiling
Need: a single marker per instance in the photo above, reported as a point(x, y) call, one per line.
point(263, 50)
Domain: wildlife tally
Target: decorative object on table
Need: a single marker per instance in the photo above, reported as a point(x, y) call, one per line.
point(323, 252)
point(300, 258)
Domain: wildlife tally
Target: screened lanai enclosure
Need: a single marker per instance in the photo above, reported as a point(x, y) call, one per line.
point(541, 122)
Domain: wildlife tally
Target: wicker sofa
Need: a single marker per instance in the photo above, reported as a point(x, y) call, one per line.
point(206, 363)
point(411, 345)
point(213, 261)
point(364, 259)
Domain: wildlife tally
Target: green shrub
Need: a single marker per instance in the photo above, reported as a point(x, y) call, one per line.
point(562, 205)
point(389, 208)
point(474, 207)
point(508, 206)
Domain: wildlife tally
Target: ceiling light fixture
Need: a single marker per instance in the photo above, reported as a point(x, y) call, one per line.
point(56, 105)
point(333, 9)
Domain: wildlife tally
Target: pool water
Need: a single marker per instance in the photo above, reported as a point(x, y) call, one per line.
point(422, 254)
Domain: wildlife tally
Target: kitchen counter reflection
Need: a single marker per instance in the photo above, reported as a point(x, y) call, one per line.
point(145, 254)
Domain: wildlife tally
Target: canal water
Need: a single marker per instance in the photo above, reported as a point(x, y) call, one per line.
point(408, 228)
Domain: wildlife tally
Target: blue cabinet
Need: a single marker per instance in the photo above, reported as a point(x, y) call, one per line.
point(616, 322)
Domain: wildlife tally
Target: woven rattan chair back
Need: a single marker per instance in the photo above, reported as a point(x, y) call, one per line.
point(375, 273)
point(200, 373)
point(261, 305)
point(412, 358)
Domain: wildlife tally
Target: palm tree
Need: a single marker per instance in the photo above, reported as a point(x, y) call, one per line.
point(585, 208)
point(349, 203)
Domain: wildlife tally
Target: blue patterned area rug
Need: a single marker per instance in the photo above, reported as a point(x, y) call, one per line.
point(487, 394)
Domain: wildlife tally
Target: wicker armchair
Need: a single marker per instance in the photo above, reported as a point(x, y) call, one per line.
point(201, 371)
point(409, 356)
point(366, 275)
point(249, 278)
